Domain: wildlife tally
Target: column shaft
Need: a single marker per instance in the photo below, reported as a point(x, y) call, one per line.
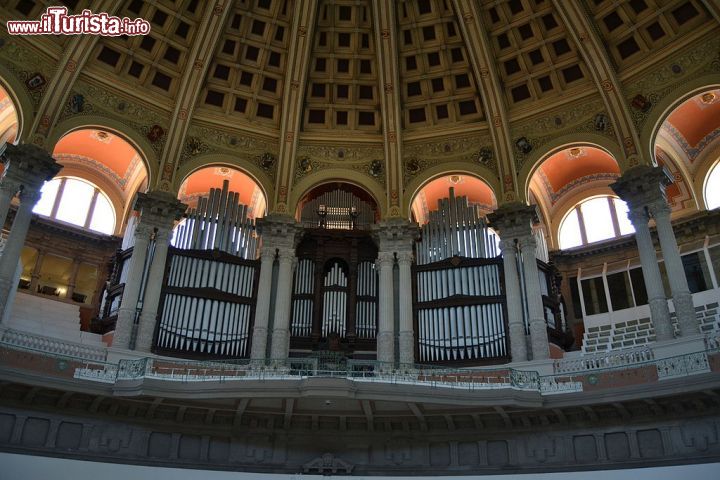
point(386, 330)
point(536, 311)
point(262, 305)
point(8, 189)
point(281, 324)
point(659, 312)
point(153, 289)
point(516, 325)
point(73, 279)
point(406, 334)
point(11, 254)
point(131, 291)
point(682, 299)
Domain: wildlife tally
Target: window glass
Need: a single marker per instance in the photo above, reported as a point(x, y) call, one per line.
point(103, 219)
point(593, 291)
point(597, 219)
point(49, 191)
point(638, 285)
point(620, 293)
point(575, 294)
point(715, 259)
point(712, 188)
point(570, 231)
point(75, 202)
point(697, 272)
point(624, 222)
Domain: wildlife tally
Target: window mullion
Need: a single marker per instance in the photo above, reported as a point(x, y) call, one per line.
point(91, 208)
point(613, 215)
point(581, 224)
point(58, 197)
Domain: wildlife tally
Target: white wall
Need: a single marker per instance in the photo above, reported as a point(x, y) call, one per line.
point(26, 467)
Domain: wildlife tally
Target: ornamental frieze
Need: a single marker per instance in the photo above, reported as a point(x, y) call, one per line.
point(30, 66)
point(658, 82)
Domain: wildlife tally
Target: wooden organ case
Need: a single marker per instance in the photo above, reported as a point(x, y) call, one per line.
point(335, 289)
point(459, 295)
point(208, 295)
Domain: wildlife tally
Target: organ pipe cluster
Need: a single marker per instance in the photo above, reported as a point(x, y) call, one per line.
point(338, 209)
point(219, 222)
point(459, 301)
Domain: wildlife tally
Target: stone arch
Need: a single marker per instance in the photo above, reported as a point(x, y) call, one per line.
point(537, 157)
point(483, 174)
point(362, 181)
point(134, 138)
point(24, 107)
point(667, 104)
point(223, 159)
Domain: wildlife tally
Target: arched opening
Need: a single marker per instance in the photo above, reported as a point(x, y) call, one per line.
point(428, 198)
point(200, 182)
point(77, 202)
point(99, 164)
point(566, 178)
point(593, 220)
point(712, 188)
point(337, 205)
point(688, 143)
point(9, 119)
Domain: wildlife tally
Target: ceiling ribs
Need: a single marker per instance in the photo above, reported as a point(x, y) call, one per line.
point(298, 58)
point(389, 88)
point(491, 93)
point(199, 59)
point(67, 70)
point(590, 46)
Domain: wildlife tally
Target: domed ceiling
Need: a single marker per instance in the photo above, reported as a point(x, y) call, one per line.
point(387, 94)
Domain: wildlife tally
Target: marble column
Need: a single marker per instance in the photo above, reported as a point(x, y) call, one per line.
point(536, 311)
point(35, 277)
point(281, 322)
point(26, 168)
point(514, 221)
point(659, 313)
point(516, 325)
point(73, 279)
point(386, 324)
point(153, 289)
point(160, 210)
point(682, 299)
point(262, 305)
point(406, 327)
point(8, 189)
point(640, 187)
point(14, 244)
point(131, 290)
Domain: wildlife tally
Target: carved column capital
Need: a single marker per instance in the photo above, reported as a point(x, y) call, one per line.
point(29, 165)
point(385, 259)
point(159, 209)
point(643, 186)
point(514, 220)
point(405, 258)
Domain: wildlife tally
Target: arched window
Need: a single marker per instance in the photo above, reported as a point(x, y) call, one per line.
point(593, 220)
point(712, 188)
point(77, 202)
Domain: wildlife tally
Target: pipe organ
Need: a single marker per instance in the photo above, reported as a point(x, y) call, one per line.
point(459, 300)
point(337, 209)
point(208, 296)
point(335, 288)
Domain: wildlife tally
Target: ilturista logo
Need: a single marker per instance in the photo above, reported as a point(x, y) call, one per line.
point(56, 21)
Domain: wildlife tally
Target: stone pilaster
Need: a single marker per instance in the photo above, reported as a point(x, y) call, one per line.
point(514, 222)
point(406, 334)
point(262, 304)
point(160, 210)
point(27, 168)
